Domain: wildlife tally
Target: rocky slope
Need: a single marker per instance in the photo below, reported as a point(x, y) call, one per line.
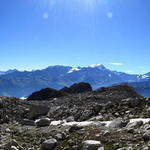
point(94, 120)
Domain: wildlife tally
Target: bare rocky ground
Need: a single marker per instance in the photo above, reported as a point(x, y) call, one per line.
point(82, 121)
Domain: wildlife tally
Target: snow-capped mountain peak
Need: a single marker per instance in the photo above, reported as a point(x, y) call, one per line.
point(74, 69)
point(99, 66)
point(144, 76)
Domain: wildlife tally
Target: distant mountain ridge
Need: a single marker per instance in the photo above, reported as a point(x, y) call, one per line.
point(8, 71)
point(23, 83)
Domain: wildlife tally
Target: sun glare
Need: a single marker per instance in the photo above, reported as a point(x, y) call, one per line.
point(84, 4)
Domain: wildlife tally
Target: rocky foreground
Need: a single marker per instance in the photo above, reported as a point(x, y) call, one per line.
point(113, 118)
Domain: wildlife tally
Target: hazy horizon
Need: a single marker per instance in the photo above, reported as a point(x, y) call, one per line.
point(35, 69)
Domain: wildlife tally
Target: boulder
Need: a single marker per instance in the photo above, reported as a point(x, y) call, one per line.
point(99, 117)
point(146, 136)
point(70, 119)
point(74, 128)
point(116, 146)
point(58, 136)
point(106, 133)
point(91, 145)
point(118, 123)
point(75, 147)
point(2, 146)
point(42, 122)
point(27, 122)
point(49, 144)
point(36, 111)
point(100, 148)
point(13, 148)
point(134, 125)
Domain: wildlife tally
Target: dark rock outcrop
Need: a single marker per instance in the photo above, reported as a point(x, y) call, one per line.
point(46, 94)
point(118, 92)
point(77, 88)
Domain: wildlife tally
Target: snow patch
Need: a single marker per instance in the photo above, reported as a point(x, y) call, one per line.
point(145, 76)
point(23, 98)
point(88, 123)
point(82, 124)
point(59, 122)
point(140, 119)
point(95, 65)
point(74, 69)
point(109, 75)
point(107, 123)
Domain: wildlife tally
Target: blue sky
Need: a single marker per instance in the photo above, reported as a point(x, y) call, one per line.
point(37, 33)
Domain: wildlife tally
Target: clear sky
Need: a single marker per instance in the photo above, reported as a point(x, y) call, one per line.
point(38, 33)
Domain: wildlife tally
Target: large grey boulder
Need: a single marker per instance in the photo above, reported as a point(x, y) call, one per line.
point(70, 119)
point(91, 145)
point(118, 123)
point(42, 122)
point(49, 144)
point(58, 136)
point(134, 125)
point(146, 136)
point(100, 148)
point(86, 115)
point(36, 111)
point(27, 122)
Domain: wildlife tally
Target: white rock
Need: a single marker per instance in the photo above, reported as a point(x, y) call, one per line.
point(91, 145)
point(13, 148)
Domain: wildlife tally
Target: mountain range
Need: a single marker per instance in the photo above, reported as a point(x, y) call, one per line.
point(22, 83)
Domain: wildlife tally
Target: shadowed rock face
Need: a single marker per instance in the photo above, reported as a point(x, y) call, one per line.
point(118, 92)
point(45, 94)
point(78, 88)
point(48, 93)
